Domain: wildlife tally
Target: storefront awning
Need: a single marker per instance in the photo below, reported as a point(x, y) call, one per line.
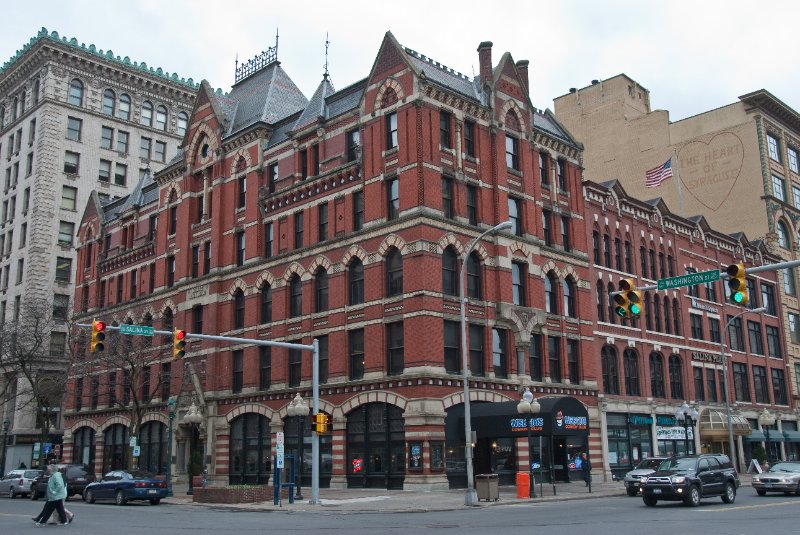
point(757, 435)
point(558, 416)
point(714, 424)
point(791, 436)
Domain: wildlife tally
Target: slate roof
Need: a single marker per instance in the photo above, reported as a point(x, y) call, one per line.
point(346, 99)
point(545, 121)
point(444, 75)
point(316, 107)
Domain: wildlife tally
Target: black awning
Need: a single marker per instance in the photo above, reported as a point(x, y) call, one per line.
point(558, 416)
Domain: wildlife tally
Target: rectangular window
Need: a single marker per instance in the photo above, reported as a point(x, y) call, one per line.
point(768, 298)
point(699, 386)
point(793, 321)
point(65, 232)
point(170, 271)
point(535, 360)
point(195, 261)
point(238, 371)
point(714, 332)
point(547, 227)
point(512, 152)
point(240, 248)
point(298, 230)
point(315, 155)
point(323, 222)
point(500, 352)
point(323, 359)
point(197, 319)
point(356, 352)
point(445, 130)
point(565, 234)
point(145, 147)
point(711, 381)
point(352, 145)
point(160, 151)
point(514, 215)
point(518, 279)
point(120, 174)
point(20, 269)
point(472, 204)
point(779, 188)
point(134, 283)
point(242, 191)
point(269, 240)
point(392, 198)
point(106, 137)
point(554, 358)
point(448, 198)
point(760, 386)
point(71, 162)
point(207, 258)
point(692, 290)
point(29, 164)
point(741, 383)
point(264, 367)
point(755, 338)
point(778, 387)
point(304, 163)
point(469, 138)
point(572, 362)
point(696, 321)
point(60, 306)
point(476, 360)
point(452, 346)
point(272, 173)
point(391, 131)
point(793, 162)
point(562, 175)
point(774, 147)
point(544, 170)
point(295, 366)
point(358, 210)
point(774, 342)
point(173, 220)
point(63, 269)
point(104, 171)
point(74, 127)
point(394, 348)
point(122, 141)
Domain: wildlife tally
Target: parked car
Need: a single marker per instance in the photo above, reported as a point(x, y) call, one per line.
point(644, 468)
point(781, 477)
point(18, 482)
point(76, 477)
point(690, 478)
point(122, 486)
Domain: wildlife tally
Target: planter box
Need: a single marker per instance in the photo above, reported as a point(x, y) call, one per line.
point(237, 494)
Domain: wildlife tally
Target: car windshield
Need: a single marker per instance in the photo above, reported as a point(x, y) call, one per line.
point(682, 464)
point(651, 464)
point(785, 467)
point(31, 474)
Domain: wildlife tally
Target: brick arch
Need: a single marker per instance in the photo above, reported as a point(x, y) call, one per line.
point(549, 266)
point(118, 419)
point(569, 271)
point(457, 398)
point(392, 240)
point(155, 417)
point(241, 154)
point(511, 107)
point(295, 268)
point(238, 284)
point(84, 422)
point(450, 239)
point(520, 249)
point(389, 83)
point(173, 189)
point(256, 408)
point(354, 251)
point(265, 277)
point(203, 132)
point(320, 260)
point(148, 309)
point(168, 304)
point(364, 398)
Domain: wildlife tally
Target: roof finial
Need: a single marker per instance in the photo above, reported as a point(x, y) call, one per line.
point(327, 43)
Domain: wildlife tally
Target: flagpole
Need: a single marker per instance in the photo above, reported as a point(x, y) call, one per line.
point(677, 177)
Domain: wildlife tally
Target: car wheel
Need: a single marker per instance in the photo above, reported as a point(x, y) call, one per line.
point(88, 496)
point(730, 493)
point(120, 498)
point(155, 501)
point(631, 492)
point(693, 497)
point(761, 492)
point(649, 501)
point(12, 493)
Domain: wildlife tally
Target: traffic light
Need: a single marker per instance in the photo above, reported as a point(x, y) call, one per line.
point(98, 335)
point(738, 283)
point(628, 303)
point(178, 344)
point(321, 423)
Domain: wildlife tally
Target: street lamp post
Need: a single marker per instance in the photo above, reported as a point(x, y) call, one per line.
point(298, 409)
point(731, 446)
point(766, 419)
point(6, 425)
point(171, 406)
point(471, 497)
point(192, 418)
point(529, 406)
point(687, 417)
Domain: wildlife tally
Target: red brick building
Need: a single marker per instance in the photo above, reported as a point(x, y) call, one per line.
point(343, 218)
point(671, 354)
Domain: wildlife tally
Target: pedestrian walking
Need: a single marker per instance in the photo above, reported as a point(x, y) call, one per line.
point(586, 468)
point(56, 494)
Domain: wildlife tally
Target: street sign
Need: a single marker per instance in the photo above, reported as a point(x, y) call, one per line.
point(142, 330)
point(136, 451)
point(279, 455)
point(279, 438)
point(690, 279)
point(132, 442)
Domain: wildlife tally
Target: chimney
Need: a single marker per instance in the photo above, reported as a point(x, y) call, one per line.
point(522, 69)
point(485, 61)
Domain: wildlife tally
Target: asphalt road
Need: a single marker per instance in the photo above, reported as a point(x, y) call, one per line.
point(749, 515)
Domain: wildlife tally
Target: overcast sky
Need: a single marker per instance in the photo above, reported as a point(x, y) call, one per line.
point(692, 55)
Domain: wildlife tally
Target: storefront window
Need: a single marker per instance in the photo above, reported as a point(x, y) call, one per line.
point(437, 456)
point(376, 449)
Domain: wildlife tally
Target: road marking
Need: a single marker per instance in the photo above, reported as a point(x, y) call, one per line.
point(743, 507)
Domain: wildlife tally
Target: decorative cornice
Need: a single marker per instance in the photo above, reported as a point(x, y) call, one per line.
point(128, 256)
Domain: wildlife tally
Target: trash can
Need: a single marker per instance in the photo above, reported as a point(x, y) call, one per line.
point(523, 485)
point(486, 486)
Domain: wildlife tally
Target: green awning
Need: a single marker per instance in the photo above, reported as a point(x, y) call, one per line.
point(791, 436)
point(757, 435)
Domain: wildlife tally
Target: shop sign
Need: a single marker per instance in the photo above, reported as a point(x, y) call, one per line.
point(706, 357)
point(673, 433)
point(702, 306)
point(519, 425)
point(667, 421)
point(571, 422)
point(640, 420)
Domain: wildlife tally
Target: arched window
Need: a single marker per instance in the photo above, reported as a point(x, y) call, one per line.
point(153, 448)
point(375, 435)
point(675, 377)
point(550, 293)
point(321, 290)
point(124, 110)
point(657, 312)
point(183, 123)
point(783, 235)
point(238, 309)
point(474, 277)
point(167, 321)
point(35, 93)
point(676, 318)
point(161, 117)
point(295, 297)
point(630, 362)
point(608, 358)
point(109, 102)
point(83, 444)
point(15, 109)
point(115, 455)
point(355, 275)
point(147, 113)
point(601, 301)
point(596, 247)
point(250, 450)
point(612, 314)
point(657, 375)
point(648, 312)
point(75, 94)
point(568, 287)
point(2, 117)
point(450, 272)
point(148, 321)
point(667, 315)
point(266, 303)
point(394, 273)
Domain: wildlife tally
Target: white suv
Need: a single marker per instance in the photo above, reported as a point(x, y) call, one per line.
point(18, 482)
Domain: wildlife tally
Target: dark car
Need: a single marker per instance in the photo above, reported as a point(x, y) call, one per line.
point(644, 468)
point(689, 479)
point(76, 477)
point(122, 486)
point(781, 477)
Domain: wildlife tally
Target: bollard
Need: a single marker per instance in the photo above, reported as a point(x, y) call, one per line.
point(523, 485)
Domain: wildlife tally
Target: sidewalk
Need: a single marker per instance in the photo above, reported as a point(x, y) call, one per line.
point(351, 501)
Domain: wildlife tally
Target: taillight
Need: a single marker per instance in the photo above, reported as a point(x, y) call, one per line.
point(162, 485)
point(140, 484)
point(21, 482)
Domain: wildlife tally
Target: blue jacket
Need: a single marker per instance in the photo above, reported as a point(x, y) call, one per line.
point(56, 490)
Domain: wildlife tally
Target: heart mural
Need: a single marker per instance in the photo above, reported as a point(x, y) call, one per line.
point(709, 170)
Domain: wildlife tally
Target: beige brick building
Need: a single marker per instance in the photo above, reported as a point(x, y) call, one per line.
point(736, 165)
